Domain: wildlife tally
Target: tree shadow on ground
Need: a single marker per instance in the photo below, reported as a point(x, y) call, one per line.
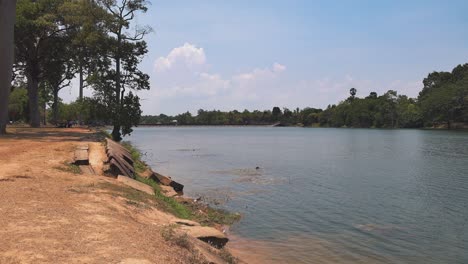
point(53, 134)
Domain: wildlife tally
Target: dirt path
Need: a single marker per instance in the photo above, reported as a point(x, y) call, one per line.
point(51, 215)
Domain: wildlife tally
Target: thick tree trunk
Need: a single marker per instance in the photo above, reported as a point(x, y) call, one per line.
point(7, 22)
point(55, 109)
point(33, 96)
point(116, 136)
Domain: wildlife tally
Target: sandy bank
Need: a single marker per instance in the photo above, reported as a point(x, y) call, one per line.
point(49, 214)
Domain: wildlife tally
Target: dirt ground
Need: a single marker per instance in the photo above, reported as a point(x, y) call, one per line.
point(48, 214)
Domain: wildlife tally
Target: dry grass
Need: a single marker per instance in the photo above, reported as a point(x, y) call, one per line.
point(183, 241)
point(228, 257)
point(69, 167)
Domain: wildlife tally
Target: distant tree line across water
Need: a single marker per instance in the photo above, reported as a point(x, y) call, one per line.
point(442, 102)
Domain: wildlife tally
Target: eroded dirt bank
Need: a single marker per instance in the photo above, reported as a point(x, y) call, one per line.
point(49, 214)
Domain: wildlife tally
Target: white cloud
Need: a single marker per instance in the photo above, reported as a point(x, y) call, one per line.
point(184, 83)
point(173, 81)
point(187, 55)
point(278, 67)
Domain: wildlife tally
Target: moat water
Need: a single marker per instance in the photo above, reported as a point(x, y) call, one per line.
point(324, 195)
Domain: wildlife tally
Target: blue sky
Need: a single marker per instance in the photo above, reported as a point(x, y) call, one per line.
point(259, 54)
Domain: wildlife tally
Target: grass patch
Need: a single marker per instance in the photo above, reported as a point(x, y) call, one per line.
point(228, 257)
point(197, 258)
point(167, 232)
point(170, 203)
point(212, 216)
point(133, 197)
point(182, 240)
point(182, 208)
point(201, 213)
point(69, 167)
point(102, 134)
point(82, 188)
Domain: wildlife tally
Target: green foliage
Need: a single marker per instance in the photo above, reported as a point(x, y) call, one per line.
point(118, 74)
point(98, 41)
point(306, 116)
point(43, 32)
point(444, 98)
point(205, 215)
point(389, 110)
point(352, 92)
point(17, 105)
point(169, 203)
point(58, 39)
point(276, 113)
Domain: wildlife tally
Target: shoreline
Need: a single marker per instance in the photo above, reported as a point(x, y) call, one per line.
point(230, 218)
point(51, 211)
point(223, 219)
point(310, 127)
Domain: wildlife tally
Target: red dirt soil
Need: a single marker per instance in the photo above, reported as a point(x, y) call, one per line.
point(51, 215)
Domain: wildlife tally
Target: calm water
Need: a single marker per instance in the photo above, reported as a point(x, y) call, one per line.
point(326, 195)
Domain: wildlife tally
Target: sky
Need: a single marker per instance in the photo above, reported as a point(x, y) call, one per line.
point(259, 54)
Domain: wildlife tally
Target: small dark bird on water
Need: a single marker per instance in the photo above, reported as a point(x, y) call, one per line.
point(257, 168)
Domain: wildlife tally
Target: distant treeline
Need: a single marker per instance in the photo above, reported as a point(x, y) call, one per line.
point(442, 102)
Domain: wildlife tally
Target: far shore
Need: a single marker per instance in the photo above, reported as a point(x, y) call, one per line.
point(460, 127)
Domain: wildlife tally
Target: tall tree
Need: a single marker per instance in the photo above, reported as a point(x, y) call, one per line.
point(125, 50)
point(276, 113)
point(88, 40)
point(7, 21)
point(352, 92)
point(60, 71)
point(39, 24)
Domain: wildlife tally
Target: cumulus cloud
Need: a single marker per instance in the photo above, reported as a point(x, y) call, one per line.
point(259, 74)
point(278, 67)
point(187, 55)
point(177, 76)
point(183, 83)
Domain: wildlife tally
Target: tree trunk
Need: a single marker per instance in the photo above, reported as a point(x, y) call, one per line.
point(44, 119)
point(116, 135)
point(81, 82)
point(116, 119)
point(33, 96)
point(7, 22)
point(116, 130)
point(55, 109)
